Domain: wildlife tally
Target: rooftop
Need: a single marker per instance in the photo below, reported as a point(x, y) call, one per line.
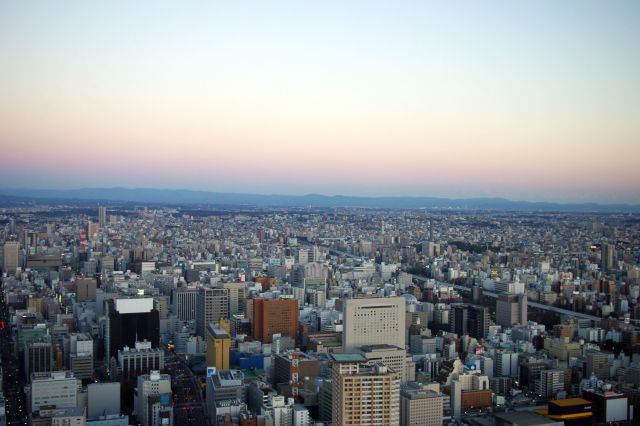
point(348, 357)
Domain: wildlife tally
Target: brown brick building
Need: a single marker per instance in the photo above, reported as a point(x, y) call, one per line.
point(274, 316)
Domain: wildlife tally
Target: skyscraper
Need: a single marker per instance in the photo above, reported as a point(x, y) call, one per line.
point(274, 316)
point(373, 321)
point(131, 321)
point(608, 257)
point(102, 216)
point(86, 290)
point(364, 395)
point(185, 302)
point(218, 347)
point(11, 257)
point(212, 306)
point(237, 296)
point(469, 319)
point(511, 309)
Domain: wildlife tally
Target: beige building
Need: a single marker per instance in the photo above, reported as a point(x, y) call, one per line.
point(362, 394)
point(393, 357)
point(237, 296)
point(149, 385)
point(11, 257)
point(562, 348)
point(373, 321)
point(212, 305)
point(420, 407)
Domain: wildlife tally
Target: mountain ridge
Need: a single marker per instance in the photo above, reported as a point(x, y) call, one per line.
point(187, 196)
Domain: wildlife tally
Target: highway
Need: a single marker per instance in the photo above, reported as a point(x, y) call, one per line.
point(188, 407)
point(491, 294)
point(15, 404)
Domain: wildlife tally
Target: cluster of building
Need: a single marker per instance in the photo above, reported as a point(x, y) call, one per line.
point(341, 317)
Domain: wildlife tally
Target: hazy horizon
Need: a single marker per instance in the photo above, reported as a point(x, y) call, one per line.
point(531, 101)
point(8, 190)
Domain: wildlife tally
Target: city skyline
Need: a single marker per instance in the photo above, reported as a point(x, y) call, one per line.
point(528, 101)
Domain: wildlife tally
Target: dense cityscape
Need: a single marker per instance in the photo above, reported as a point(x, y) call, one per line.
point(334, 213)
point(123, 314)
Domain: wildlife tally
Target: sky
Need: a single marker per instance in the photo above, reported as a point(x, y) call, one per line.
point(528, 100)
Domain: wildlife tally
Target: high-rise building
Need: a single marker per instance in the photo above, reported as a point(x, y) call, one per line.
point(86, 290)
point(392, 356)
point(511, 309)
point(102, 216)
point(550, 383)
point(140, 360)
point(185, 302)
point(93, 230)
point(372, 321)
point(469, 319)
point(506, 364)
point(274, 317)
point(218, 347)
point(212, 306)
point(608, 257)
point(130, 321)
point(364, 395)
point(57, 388)
point(237, 297)
point(150, 385)
point(38, 357)
point(11, 257)
point(598, 364)
point(79, 347)
point(420, 407)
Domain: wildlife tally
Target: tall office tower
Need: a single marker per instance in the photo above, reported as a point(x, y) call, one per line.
point(237, 297)
point(218, 347)
point(373, 321)
point(212, 306)
point(79, 348)
point(608, 257)
point(86, 290)
point(275, 316)
point(93, 230)
point(506, 364)
point(550, 383)
point(150, 385)
point(102, 216)
point(38, 357)
point(11, 257)
point(130, 321)
point(420, 407)
point(511, 309)
point(364, 395)
point(469, 319)
point(598, 364)
point(185, 302)
point(57, 388)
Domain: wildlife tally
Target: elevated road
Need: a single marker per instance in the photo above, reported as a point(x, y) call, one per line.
point(491, 294)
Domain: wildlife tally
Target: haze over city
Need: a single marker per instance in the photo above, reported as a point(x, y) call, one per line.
point(528, 100)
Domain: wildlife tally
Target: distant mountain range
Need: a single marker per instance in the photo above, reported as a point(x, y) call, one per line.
point(184, 196)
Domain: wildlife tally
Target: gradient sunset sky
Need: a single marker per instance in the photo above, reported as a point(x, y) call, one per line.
point(528, 100)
